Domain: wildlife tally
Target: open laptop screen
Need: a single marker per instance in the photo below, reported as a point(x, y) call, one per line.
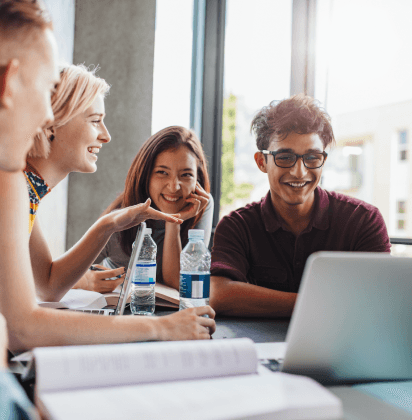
point(124, 293)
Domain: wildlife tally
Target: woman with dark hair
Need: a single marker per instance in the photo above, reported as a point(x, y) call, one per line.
point(170, 169)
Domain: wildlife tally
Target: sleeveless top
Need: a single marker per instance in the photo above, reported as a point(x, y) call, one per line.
point(37, 190)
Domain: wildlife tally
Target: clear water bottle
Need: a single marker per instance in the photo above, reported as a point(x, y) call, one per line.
point(144, 278)
point(194, 272)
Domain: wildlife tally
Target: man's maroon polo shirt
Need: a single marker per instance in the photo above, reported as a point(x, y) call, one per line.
point(250, 244)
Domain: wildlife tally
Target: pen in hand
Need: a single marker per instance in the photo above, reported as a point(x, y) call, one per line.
point(94, 268)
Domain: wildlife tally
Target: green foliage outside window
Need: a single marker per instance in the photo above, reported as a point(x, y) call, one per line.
point(230, 191)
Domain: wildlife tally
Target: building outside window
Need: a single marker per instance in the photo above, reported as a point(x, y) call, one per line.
point(256, 72)
point(362, 77)
point(365, 84)
point(403, 145)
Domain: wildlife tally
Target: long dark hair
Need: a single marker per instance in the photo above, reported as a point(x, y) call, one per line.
point(137, 181)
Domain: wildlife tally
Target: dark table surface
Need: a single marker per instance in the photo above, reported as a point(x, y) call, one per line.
point(260, 330)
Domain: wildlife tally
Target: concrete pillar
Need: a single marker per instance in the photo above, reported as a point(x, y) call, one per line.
point(119, 37)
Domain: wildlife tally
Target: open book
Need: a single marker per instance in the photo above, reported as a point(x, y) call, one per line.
point(213, 380)
point(165, 296)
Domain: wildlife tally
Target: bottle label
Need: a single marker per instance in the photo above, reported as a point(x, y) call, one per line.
point(144, 273)
point(194, 286)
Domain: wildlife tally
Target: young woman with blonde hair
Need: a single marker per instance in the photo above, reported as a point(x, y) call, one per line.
point(74, 138)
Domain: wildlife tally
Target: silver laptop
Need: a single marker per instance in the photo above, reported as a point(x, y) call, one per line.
point(353, 319)
point(124, 292)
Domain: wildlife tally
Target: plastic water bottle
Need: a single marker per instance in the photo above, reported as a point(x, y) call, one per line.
point(194, 272)
point(144, 278)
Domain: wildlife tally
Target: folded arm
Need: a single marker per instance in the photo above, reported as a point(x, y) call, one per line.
point(234, 298)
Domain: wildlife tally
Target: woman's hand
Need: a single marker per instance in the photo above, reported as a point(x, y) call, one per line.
point(128, 217)
point(98, 281)
point(190, 324)
point(196, 202)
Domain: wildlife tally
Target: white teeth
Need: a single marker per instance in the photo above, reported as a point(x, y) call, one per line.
point(170, 198)
point(93, 149)
point(295, 184)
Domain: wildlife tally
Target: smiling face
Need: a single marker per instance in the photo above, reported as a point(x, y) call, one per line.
point(173, 178)
point(291, 187)
point(77, 143)
point(26, 99)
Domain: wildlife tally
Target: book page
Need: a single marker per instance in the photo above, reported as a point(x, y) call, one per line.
point(167, 293)
point(276, 350)
point(250, 397)
point(165, 296)
point(76, 299)
point(76, 367)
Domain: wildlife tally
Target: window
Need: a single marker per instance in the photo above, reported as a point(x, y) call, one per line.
point(362, 76)
point(344, 171)
point(172, 64)
point(256, 72)
point(403, 139)
point(366, 86)
point(403, 145)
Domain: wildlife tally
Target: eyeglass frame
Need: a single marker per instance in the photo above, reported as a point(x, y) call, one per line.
point(274, 153)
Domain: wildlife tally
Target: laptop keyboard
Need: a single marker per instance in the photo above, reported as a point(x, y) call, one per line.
point(96, 311)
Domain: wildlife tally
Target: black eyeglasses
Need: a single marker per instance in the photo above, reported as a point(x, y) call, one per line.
point(288, 159)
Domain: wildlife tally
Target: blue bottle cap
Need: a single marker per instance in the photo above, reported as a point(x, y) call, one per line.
point(196, 234)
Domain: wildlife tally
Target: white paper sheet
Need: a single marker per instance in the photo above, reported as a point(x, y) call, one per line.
point(78, 299)
point(277, 396)
point(74, 367)
point(275, 351)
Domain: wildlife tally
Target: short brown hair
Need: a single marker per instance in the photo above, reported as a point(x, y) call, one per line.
point(300, 114)
point(21, 15)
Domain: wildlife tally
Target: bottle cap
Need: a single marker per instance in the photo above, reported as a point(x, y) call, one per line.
point(148, 231)
point(196, 234)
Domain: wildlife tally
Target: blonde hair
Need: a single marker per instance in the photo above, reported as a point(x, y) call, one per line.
point(76, 91)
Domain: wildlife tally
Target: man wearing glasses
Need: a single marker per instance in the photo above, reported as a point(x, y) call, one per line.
point(260, 250)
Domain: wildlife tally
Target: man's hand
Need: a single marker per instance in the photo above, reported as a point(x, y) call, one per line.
point(189, 324)
point(128, 217)
point(97, 281)
point(196, 202)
